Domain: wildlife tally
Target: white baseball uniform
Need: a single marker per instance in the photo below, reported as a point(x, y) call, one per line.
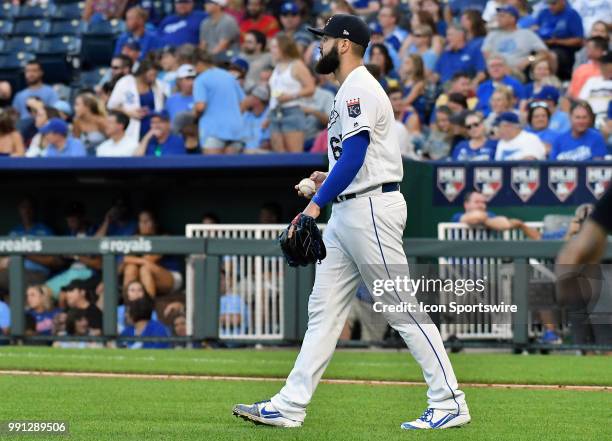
point(364, 241)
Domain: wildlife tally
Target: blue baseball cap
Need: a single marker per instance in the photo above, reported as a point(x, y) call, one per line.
point(509, 10)
point(163, 114)
point(240, 63)
point(548, 93)
point(507, 117)
point(133, 44)
point(55, 125)
point(289, 8)
point(376, 28)
point(62, 106)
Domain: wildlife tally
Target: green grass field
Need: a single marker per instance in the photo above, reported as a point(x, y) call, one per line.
point(145, 409)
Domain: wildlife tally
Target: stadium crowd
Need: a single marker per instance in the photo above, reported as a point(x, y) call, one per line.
point(469, 80)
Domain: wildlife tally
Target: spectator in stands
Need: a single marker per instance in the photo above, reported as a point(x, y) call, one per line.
point(406, 127)
point(253, 51)
point(117, 220)
point(598, 29)
point(592, 11)
point(179, 327)
point(160, 141)
point(475, 28)
point(359, 7)
point(233, 310)
point(89, 124)
point(239, 67)
point(158, 274)
point(134, 291)
point(388, 18)
point(596, 48)
point(516, 45)
point(33, 74)
point(290, 83)
point(255, 18)
point(461, 83)
point(526, 19)
point(597, 91)
point(538, 120)
point(582, 142)
point(422, 40)
point(5, 318)
point(434, 8)
point(560, 27)
point(181, 102)
point(78, 297)
point(40, 306)
point(140, 312)
point(11, 141)
point(217, 97)
point(121, 65)
point(219, 32)
point(59, 142)
point(168, 63)
point(424, 18)
point(138, 95)
point(42, 114)
point(132, 50)
point(377, 41)
point(438, 142)
point(379, 56)
point(477, 147)
point(255, 106)
point(96, 11)
point(316, 110)
point(135, 23)
point(458, 57)
point(64, 109)
point(541, 74)
point(77, 325)
point(412, 76)
point(502, 101)
point(189, 132)
point(182, 27)
point(498, 76)
point(118, 143)
point(293, 25)
point(559, 120)
point(516, 144)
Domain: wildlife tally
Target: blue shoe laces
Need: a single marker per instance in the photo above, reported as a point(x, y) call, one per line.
point(427, 415)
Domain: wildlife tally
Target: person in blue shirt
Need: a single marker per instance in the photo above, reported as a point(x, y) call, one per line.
point(217, 96)
point(389, 18)
point(39, 303)
point(458, 57)
point(474, 209)
point(160, 141)
point(135, 22)
point(498, 75)
point(182, 27)
point(582, 142)
point(477, 147)
point(559, 120)
point(377, 37)
point(560, 26)
point(33, 74)
point(59, 143)
point(5, 318)
point(118, 221)
point(538, 119)
point(182, 101)
point(256, 111)
point(140, 312)
point(475, 28)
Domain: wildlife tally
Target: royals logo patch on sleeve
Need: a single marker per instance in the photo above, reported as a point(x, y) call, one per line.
point(354, 108)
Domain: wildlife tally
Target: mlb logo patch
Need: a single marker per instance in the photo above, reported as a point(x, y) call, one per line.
point(488, 181)
point(525, 181)
point(451, 182)
point(563, 181)
point(598, 180)
point(354, 108)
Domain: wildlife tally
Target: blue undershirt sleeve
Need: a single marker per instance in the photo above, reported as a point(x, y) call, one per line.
point(354, 151)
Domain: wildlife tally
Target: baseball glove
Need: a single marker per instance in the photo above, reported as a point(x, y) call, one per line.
point(301, 242)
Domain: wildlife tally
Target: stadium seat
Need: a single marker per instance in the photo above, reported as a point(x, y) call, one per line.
point(69, 11)
point(98, 43)
point(108, 27)
point(88, 79)
point(31, 27)
point(55, 55)
point(23, 44)
point(321, 6)
point(67, 27)
point(6, 10)
point(63, 44)
point(38, 11)
point(11, 68)
point(6, 27)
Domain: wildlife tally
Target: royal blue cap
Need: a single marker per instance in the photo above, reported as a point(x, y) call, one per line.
point(163, 114)
point(509, 10)
point(133, 44)
point(376, 28)
point(507, 117)
point(55, 125)
point(548, 93)
point(240, 63)
point(289, 8)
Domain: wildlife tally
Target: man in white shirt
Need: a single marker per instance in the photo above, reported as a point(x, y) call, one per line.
point(515, 144)
point(597, 91)
point(117, 143)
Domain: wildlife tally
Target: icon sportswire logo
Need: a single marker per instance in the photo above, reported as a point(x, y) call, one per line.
point(21, 245)
point(126, 246)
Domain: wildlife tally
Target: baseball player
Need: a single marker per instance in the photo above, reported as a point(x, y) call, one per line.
point(363, 239)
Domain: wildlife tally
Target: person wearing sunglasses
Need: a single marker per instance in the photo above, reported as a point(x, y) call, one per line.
point(538, 119)
point(477, 147)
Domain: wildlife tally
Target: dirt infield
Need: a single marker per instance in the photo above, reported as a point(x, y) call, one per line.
point(325, 381)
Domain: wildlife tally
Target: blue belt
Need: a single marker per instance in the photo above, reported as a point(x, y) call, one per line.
point(386, 188)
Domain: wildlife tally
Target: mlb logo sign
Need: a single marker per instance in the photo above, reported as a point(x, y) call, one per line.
point(451, 181)
point(525, 181)
point(488, 181)
point(598, 180)
point(563, 181)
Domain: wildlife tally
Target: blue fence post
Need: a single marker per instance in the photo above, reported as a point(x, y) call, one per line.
point(17, 289)
point(109, 315)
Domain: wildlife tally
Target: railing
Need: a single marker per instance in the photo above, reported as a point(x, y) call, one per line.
point(297, 282)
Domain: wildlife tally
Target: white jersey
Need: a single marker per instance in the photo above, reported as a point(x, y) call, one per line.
point(362, 104)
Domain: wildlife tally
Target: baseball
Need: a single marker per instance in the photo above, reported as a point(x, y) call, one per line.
point(307, 187)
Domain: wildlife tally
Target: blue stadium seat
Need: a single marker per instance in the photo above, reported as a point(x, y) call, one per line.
point(38, 11)
point(6, 27)
point(321, 6)
point(31, 27)
point(88, 79)
point(108, 27)
point(67, 27)
point(6, 10)
point(22, 44)
point(69, 11)
point(11, 68)
point(61, 44)
point(98, 43)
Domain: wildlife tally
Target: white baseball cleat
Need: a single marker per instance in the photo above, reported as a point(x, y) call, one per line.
point(263, 412)
point(437, 419)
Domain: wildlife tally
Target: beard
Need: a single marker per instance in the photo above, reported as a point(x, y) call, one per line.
point(328, 63)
